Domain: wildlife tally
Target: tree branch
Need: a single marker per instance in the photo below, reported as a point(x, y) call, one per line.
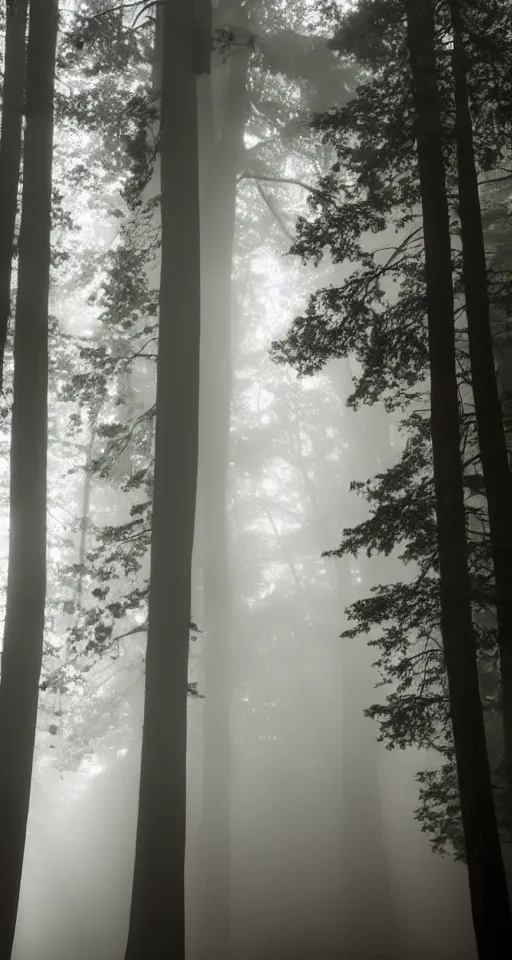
point(274, 211)
point(247, 175)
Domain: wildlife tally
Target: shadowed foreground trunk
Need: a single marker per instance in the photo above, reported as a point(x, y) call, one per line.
point(488, 888)
point(157, 919)
point(26, 581)
point(489, 419)
point(10, 154)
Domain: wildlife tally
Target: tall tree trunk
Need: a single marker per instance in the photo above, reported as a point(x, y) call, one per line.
point(10, 154)
point(488, 888)
point(157, 919)
point(489, 420)
point(26, 581)
point(221, 167)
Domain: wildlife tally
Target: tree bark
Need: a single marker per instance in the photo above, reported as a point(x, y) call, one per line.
point(488, 888)
point(489, 418)
point(26, 581)
point(10, 154)
point(157, 918)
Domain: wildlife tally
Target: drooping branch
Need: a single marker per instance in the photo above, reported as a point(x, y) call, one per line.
point(274, 210)
point(293, 181)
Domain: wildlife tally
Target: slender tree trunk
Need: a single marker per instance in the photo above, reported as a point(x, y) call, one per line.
point(488, 888)
point(26, 581)
point(157, 919)
point(489, 419)
point(10, 154)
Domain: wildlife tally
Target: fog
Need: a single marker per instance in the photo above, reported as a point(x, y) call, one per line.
point(325, 857)
point(301, 838)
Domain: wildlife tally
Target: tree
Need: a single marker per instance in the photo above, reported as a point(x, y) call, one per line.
point(390, 345)
point(246, 52)
point(490, 430)
point(220, 160)
point(390, 368)
point(488, 888)
point(157, 919)
point(489, 898)
point(10, 154)
point(248, 62)
point(26, 584)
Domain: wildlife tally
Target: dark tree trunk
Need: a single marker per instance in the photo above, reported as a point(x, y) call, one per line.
point(10, 153)
point(26, 581)
point(489, 420)
point(488, 888)
point(157, 919)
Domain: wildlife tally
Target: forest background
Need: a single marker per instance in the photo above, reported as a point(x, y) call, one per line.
point(301, 830)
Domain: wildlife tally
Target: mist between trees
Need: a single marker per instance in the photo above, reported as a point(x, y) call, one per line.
point(256, 503)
